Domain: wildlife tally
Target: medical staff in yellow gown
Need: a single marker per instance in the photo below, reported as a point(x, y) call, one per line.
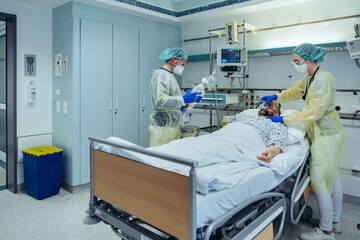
point(166, 98)
point(324, 130)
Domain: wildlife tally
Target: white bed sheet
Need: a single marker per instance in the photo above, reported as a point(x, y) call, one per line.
point(252, 182)
point(257, 181)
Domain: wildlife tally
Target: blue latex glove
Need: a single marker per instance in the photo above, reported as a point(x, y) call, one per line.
point(190, 97)
point(276, 119)
point(268, 99)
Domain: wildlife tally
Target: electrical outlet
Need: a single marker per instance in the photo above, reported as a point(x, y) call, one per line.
point(65, 64)
point(65, 107)
point(57, 106)
point(57, 63)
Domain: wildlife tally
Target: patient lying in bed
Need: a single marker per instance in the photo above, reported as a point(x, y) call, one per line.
point(225, 156)
point(247, 137)
point(273, 134)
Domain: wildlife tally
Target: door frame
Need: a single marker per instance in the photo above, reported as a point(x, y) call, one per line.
point(11, 118)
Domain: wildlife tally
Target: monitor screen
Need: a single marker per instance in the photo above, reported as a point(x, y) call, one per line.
point(229, 55)
point(354, 48)
point(232, 56)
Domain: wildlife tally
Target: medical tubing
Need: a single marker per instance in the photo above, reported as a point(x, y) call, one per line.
point(217, 109)
point(357, 62)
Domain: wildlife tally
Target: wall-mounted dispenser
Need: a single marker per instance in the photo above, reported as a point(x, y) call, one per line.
point(31, 92)
point(30, 65)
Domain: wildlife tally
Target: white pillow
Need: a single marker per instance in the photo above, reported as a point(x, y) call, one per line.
point(295, 134)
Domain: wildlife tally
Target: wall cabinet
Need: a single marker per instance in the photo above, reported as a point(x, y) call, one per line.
point(109, 85)
point(111, 57)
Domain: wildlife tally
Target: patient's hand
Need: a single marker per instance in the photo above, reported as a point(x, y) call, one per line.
point(269, 153)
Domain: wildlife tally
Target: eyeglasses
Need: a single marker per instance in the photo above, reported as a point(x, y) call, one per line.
point(182, 63)
point(296, 62)
point(269, 107)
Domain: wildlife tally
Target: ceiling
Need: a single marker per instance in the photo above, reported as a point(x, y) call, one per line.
point(181, 12)
point(174, 11)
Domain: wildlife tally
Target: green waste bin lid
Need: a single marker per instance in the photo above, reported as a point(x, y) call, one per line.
point(44, 150)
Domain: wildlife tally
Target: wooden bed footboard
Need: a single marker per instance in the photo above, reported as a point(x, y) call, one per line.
point(157, 196)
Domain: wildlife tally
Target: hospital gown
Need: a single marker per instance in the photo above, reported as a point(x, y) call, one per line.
point(271, 133)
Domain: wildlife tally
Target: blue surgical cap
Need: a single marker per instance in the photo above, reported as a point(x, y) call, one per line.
point(177, 52)
point(310, 52)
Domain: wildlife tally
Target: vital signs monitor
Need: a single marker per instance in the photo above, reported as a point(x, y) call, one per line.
point(354, 48)
point(231, 56)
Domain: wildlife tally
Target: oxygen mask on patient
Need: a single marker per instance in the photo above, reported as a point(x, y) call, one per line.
point(262, 105)
point(264, 112)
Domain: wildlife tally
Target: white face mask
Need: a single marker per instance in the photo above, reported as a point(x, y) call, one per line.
point(301, 68)
point(178, 70)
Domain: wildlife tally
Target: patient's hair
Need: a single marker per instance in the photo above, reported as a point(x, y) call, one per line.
point(278, 105)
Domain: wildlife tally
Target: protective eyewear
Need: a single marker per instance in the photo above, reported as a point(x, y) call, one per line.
point(297, 62)
point(182, 64)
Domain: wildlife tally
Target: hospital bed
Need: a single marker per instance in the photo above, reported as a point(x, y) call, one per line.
point(145, 200)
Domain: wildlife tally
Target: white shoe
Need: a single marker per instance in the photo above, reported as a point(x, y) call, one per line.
point(337, 228)
point(316, 234)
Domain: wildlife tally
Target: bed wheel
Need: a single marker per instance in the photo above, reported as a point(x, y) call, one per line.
point(307, 214)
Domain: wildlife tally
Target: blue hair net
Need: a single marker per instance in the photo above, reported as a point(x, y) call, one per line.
point(310, 52)
point(177, 52)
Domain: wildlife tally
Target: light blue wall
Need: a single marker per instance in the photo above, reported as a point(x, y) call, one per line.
point(64, 126)
point(66, 40)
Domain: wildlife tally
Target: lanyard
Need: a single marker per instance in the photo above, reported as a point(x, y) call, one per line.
point(309, 82)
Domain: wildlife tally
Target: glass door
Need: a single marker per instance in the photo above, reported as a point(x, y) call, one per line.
point(2, 105)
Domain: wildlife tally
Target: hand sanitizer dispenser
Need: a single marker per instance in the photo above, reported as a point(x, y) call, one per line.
point(31, 92)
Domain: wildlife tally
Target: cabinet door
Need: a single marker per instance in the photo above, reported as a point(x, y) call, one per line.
point(151, 46)
point(96, 87)
point(126, 83)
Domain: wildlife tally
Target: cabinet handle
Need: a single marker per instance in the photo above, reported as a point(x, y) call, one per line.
point(110, 104)
point(143, 104)
point(116, 105)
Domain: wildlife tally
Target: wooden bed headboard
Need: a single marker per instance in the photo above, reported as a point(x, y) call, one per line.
point(156, 196)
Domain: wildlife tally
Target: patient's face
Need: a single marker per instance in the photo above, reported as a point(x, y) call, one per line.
point(271, 111)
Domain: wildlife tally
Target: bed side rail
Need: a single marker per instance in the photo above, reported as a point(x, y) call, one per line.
point(301, 182)
point(258, 224)
point(143, 190)
point(145, 151)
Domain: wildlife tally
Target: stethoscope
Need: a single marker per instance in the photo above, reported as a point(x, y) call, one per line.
point(309, 82)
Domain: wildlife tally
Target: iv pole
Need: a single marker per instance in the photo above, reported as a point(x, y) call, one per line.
point(244, 68)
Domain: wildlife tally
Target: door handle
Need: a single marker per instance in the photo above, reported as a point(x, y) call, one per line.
point(116, 105)
point(143, 104)
point(110, 104)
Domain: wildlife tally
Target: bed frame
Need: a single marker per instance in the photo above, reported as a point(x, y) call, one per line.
point(164, 202)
